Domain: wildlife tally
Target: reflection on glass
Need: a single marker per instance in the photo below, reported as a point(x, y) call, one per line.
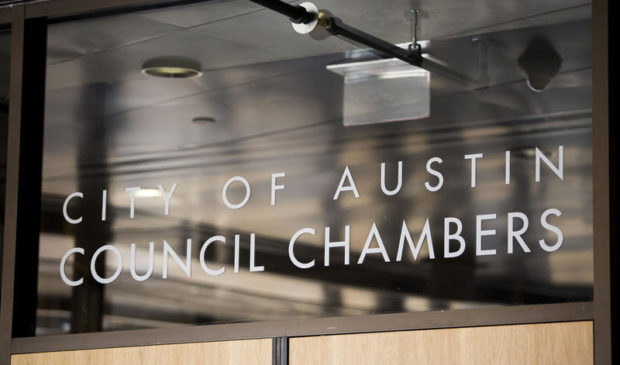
point(276, 146)
point(380, 91)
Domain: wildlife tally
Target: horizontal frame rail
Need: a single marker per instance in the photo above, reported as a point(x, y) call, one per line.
point(487, 316)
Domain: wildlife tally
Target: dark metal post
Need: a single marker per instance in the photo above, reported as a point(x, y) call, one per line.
point(30, 165)
point(279, 353)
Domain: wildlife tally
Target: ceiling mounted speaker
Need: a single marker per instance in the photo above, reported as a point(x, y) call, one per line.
point(540, 62)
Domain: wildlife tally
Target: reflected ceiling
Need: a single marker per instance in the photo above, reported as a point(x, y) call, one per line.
point(276, 108)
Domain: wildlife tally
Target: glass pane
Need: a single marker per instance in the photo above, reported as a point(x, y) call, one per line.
point(223, 170)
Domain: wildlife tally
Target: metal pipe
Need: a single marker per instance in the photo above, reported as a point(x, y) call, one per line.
point(449, 73)
point(297, 14)
point(337, 27)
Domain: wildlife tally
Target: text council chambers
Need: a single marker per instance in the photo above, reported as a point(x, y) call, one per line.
point(454, 244)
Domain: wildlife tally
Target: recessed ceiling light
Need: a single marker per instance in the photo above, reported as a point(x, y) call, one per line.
point(203, 120)
point(172, 67)
point(529, 153)
point(148, 193)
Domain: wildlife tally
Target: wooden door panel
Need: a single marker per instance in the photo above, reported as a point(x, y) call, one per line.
point(227, 352)
point(549, 343)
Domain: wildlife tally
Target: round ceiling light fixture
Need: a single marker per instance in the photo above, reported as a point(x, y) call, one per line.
point(172, 67)
point(529, 153)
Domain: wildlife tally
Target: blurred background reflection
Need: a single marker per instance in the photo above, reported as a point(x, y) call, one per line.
point(266, 103)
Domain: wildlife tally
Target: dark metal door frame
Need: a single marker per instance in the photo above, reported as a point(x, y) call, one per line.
point(599, 310)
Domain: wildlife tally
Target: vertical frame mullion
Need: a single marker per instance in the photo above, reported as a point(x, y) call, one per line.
point(12, 183)
point(30, 177)
point(601, 184)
